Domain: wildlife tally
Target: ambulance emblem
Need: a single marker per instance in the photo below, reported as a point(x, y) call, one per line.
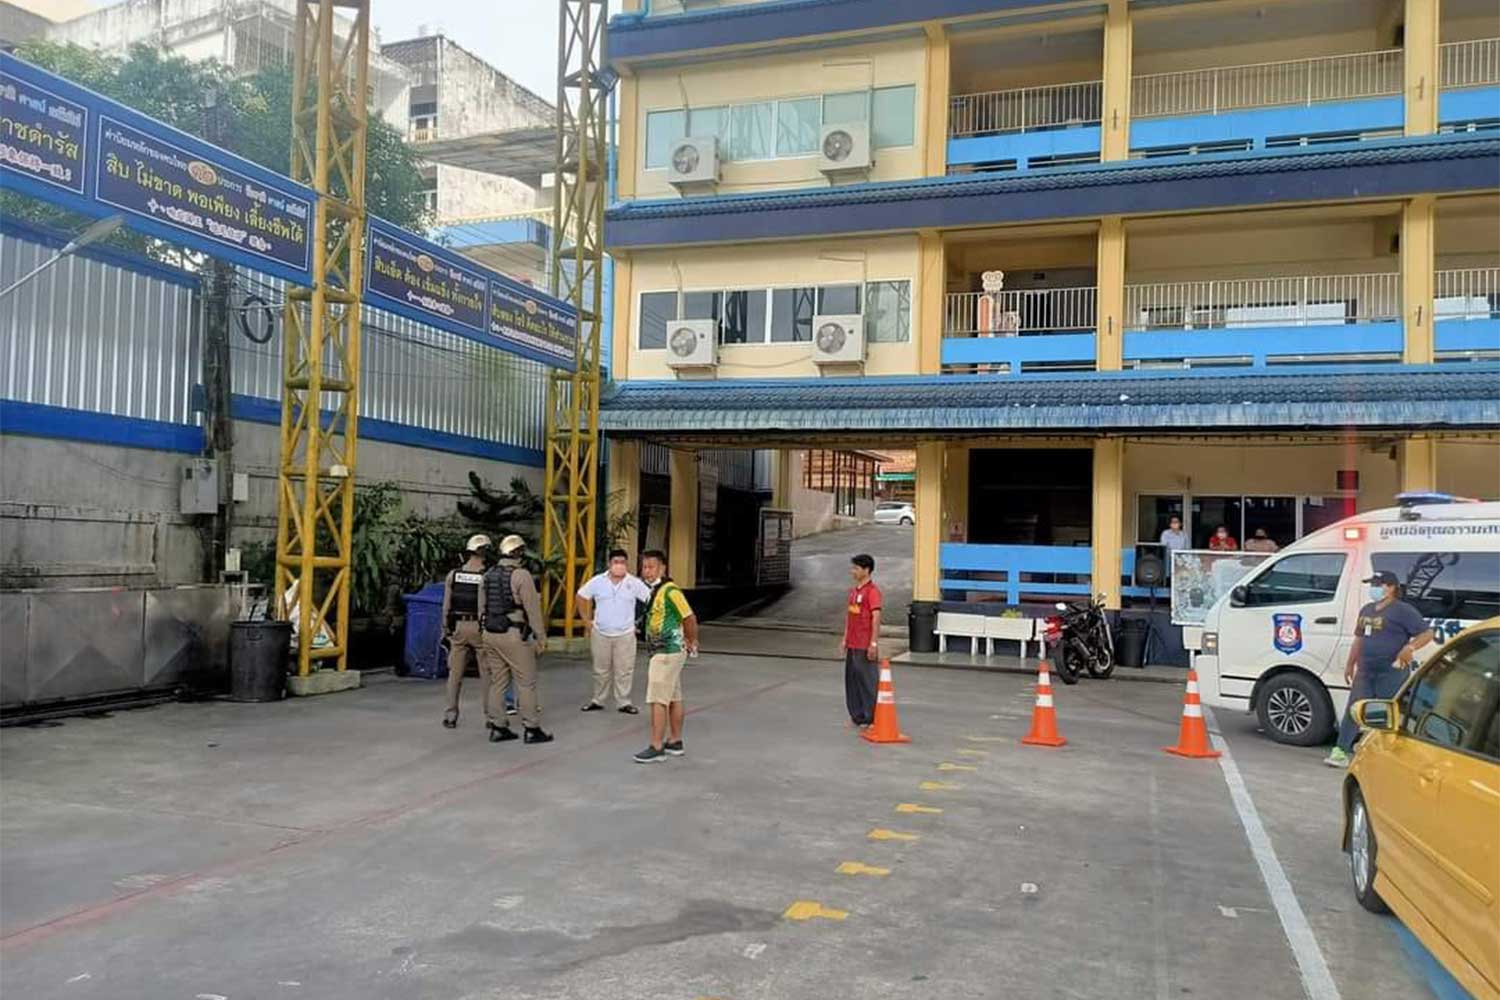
point(1288, 632)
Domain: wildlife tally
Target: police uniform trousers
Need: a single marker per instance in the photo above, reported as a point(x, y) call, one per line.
point(513, 658)
point(466, 640)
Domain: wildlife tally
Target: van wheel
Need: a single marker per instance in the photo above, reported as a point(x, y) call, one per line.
point(1294, 709)
point(906, 522)
point(1362, 850)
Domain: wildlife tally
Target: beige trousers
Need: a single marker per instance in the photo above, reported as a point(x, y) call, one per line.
point(510, 656)
point(614, 666)
point(465, 640)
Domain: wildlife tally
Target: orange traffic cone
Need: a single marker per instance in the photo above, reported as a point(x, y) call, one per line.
point(885, 729)
point(1043, 715)
point(1192, 738)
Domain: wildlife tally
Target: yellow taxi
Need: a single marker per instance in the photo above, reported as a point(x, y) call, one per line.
point(1422, 807)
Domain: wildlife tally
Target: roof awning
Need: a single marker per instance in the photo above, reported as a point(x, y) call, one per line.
point(523, 153)
point(1462, 396)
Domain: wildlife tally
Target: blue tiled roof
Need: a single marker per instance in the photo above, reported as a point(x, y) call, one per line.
point(1457, 395)
point(1374, 169)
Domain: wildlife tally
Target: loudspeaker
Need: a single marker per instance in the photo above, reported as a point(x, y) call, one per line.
point(1150, 565)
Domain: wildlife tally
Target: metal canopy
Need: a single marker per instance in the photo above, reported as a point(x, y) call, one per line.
point(522, 153)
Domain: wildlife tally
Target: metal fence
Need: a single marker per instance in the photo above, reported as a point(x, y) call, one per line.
point(1027, 109)
point(739, 468)
point(410, 373)
point(1303, 300)
point(1017, 311)
point(1263, 85)
point(89, 335)
point(1467, 293)
point(1469, 64)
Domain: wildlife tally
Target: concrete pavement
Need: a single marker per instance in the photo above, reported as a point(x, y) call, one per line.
point(820, 577)
point(348, 847)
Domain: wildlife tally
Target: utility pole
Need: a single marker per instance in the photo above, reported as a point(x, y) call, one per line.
point(219, 427)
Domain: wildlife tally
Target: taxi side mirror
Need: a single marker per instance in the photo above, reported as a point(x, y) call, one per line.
point(1374, 713)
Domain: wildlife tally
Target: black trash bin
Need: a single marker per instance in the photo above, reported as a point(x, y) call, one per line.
point(258, 659)
point(1130, 642)
point(921, 627)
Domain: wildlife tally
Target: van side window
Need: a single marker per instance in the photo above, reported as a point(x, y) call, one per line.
point(1464, 585)
point(1304, 578)
point(1455, 699)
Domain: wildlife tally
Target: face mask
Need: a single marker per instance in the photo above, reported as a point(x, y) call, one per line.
point(1377, 593)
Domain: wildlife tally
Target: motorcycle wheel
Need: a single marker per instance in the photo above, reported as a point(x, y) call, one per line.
point(1065, 660)
point(1102, 657)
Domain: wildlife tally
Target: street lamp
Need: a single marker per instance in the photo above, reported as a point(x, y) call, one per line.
point(96, 231)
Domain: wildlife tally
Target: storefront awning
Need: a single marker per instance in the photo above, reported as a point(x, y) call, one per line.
point(1460, 396)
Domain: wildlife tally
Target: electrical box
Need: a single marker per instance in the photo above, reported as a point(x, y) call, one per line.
point(198, 490)
point(239, 490)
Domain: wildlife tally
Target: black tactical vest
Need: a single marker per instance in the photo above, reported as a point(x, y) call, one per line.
point(463, 593)
point(499, 598)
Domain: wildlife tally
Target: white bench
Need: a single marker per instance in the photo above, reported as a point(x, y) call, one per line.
point(960, 624)
point(1022, 630)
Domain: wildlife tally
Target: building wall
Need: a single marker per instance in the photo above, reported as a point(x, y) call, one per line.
point(823, 262)
point(1241, 247)
point(767, 77)
point(1469, 467)
point(471, 194)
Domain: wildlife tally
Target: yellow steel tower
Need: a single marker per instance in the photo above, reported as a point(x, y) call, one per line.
point(572, 432)
point(321, 329)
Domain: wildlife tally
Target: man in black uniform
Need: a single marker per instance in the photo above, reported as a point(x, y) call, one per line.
point(463, 602)
point(514, 633)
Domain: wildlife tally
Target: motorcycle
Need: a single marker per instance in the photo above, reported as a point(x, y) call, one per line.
point(1079, 639)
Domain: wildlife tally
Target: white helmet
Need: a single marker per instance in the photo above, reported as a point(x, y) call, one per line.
point(511, 543)
point(477, 542)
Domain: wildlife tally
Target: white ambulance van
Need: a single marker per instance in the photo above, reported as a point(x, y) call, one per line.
point(1276, 645)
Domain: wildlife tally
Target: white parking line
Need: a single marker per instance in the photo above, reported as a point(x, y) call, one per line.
point(1317, 981)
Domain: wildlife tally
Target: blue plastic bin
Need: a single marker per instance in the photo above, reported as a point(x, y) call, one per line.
point(424, 631)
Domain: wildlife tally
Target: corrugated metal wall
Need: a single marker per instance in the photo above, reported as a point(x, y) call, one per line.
point(95, 336)
point(88, 335)
point(739, 468)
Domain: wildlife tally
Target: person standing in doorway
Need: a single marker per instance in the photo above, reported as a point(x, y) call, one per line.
point(1173, 538)
point(463, 602)
point(607, 602)
point(1387, 635)
point(671, 637)
point(515, 633)
point(1261, 542)
point(861, 642)
point(1223, 541)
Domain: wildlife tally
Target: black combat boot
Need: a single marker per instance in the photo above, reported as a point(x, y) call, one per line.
point(535, 734)
point(499, 734)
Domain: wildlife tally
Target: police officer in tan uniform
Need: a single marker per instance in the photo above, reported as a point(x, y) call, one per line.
point(514, 633)
point(463, 606)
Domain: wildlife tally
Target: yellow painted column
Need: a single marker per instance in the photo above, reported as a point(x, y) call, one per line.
point(931, 292)
point(627, 137)
point(1115, 129)
point(1418, 241)
point(956, 493)
point(1109, 337)
point(781, 478)
point(624, 491)
point(928, 534)
point(935, 88)
point(1416, 461)
point(1108, 535)
point(682, 536)
point(624, 319)
point(1422, 78)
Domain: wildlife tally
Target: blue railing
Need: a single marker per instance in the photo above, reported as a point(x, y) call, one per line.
point(1012, 570)
point(1260, 344)
point(1017, 351)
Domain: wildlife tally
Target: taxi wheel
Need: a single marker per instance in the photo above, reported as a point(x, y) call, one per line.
point(1362, 854)
point(1293, 708)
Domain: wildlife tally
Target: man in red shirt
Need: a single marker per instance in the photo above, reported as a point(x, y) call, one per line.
point(861, 641)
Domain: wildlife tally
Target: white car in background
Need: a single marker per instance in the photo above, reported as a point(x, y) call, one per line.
point(892, 512)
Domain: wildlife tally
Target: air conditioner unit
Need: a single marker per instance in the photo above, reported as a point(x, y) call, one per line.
point(692, 343)
point(844, 150)
point(694, 165)
point(838, 340)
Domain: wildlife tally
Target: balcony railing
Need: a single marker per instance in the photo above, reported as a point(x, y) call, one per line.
point(1305, 300)
point(1020, 311)
point(1469, 64)
point(1467, 293)
point(1265, 85)
point(1027, 109)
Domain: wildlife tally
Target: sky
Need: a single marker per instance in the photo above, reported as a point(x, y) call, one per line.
point(517, 37)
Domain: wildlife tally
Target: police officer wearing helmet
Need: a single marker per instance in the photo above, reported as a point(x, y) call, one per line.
point(463, 607)
point(514, 633)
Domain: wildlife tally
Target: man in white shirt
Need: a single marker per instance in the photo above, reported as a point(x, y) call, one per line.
point(608, 602)
point(1174, 538)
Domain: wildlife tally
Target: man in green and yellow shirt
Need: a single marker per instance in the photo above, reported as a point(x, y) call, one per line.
point(671, 637)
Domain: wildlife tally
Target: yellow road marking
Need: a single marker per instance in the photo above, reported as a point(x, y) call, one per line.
point(860, 868)
point(939, 786)
point(947, 766)
point(973, 753)
point(912, 807)
point(882, 834)
point(806, 909)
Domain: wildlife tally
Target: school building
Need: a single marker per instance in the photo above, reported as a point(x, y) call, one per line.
point(1096, 262)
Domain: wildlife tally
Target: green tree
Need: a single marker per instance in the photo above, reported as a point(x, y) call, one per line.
point(256, 123)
